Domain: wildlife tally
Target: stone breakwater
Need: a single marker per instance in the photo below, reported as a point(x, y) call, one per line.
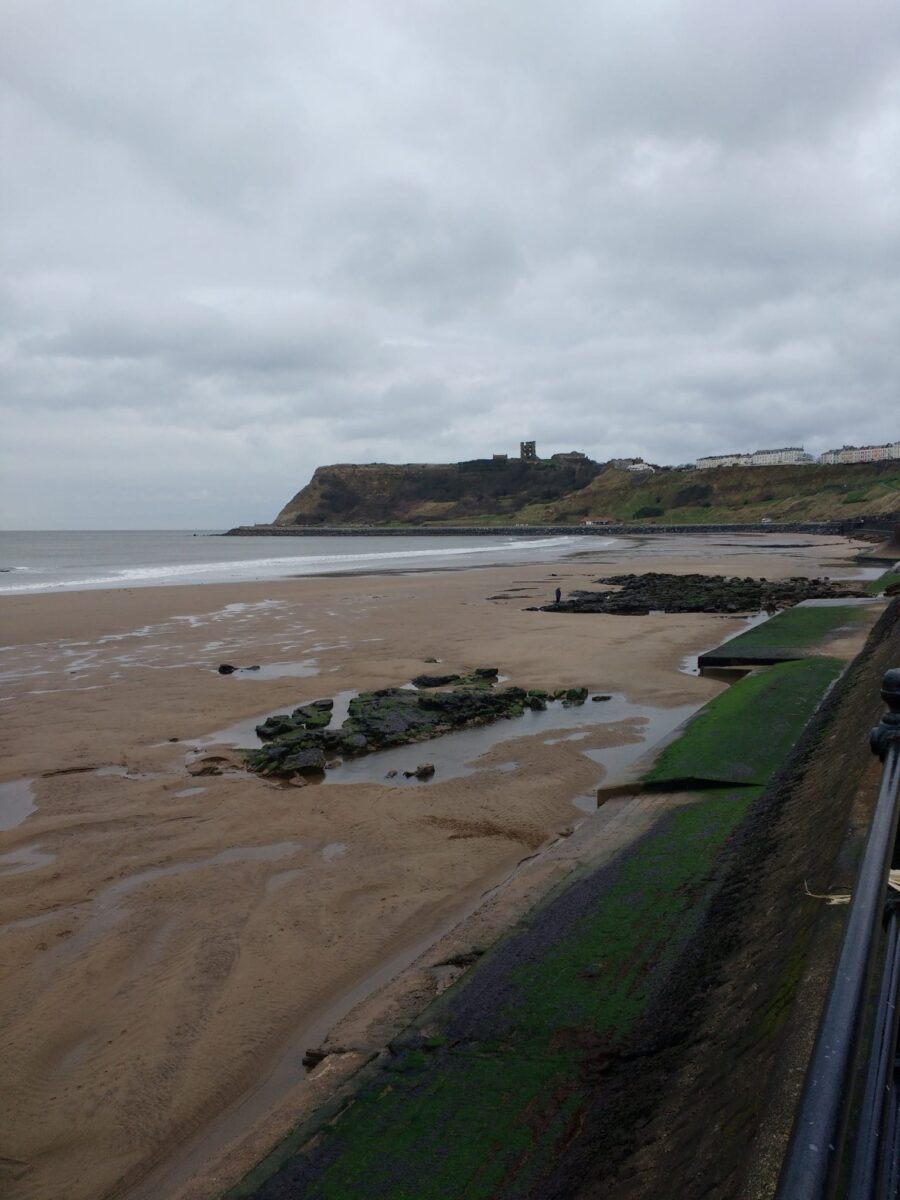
point(618, 530)
point(637, 595)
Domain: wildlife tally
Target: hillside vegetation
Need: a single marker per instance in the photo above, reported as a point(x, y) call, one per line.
point(561, 491)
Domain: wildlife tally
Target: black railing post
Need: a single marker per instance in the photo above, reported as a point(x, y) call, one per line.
point(816, 1149)
point(887, 732)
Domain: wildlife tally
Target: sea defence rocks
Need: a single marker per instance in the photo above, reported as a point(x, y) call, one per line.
point(304, 742)
point(642, 594)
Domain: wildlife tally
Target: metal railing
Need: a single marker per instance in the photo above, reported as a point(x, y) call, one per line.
point(846, 1136)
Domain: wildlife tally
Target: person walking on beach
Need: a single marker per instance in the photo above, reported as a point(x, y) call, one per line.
point(558, 595)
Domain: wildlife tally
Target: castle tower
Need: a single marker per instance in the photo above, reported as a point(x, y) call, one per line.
point(527, 451)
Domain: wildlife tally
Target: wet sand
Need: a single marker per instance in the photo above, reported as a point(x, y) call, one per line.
point(171, 943)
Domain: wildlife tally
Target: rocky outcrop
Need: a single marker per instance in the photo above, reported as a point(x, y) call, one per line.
point(641, 594)
point(304, 743)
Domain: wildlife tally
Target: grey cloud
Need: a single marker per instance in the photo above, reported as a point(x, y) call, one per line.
point(238, 243)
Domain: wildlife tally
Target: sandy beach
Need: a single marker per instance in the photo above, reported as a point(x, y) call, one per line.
point(173, 941)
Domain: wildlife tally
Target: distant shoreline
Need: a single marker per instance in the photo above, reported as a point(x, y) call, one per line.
point(615, 530)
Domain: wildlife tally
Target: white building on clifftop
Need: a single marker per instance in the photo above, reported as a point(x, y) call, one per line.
point(862, 454)
point(783, 457)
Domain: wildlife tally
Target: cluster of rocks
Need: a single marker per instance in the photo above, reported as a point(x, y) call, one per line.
point(304, 742)
point(655, 592)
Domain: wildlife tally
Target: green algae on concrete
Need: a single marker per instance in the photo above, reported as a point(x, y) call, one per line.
point(478, 1097)
point(745, 732)
point(791, 634)
point(876, 586)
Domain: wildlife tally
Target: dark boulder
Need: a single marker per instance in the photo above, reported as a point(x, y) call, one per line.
point(313, 716)
point(277, 726)
point(422, 771)
point(305, 762)
point(434, 681)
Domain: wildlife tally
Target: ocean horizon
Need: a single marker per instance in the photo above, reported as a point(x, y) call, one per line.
point(35, 562)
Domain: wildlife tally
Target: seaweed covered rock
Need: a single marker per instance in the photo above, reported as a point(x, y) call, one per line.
point(310, 761)
point(433, 681)
point(657, 592)
point(480, 677)
point(316, 715)
point(273, 727)
point(300, 744)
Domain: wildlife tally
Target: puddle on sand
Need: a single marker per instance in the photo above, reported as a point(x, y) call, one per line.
point(191, 791)
point(25, 858)
point(456, 755)
point(618, 761)
point(16, 802)
point(280, 670)
point(334, 850)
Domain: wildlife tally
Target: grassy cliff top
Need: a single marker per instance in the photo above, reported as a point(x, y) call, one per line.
point(558, 491)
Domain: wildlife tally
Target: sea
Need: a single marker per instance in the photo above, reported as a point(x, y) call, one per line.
point(50, 561)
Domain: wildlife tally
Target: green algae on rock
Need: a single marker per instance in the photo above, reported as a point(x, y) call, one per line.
point(303, 742)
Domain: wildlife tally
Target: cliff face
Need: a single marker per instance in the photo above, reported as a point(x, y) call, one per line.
point(419, 493)
point(564, 490)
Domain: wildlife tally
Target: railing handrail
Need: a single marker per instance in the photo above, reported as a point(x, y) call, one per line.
point(816, 1149)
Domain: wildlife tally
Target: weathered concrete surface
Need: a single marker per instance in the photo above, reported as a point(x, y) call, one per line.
point(715, 1098)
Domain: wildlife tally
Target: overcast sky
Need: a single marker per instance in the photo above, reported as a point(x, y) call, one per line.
point(239, 240)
